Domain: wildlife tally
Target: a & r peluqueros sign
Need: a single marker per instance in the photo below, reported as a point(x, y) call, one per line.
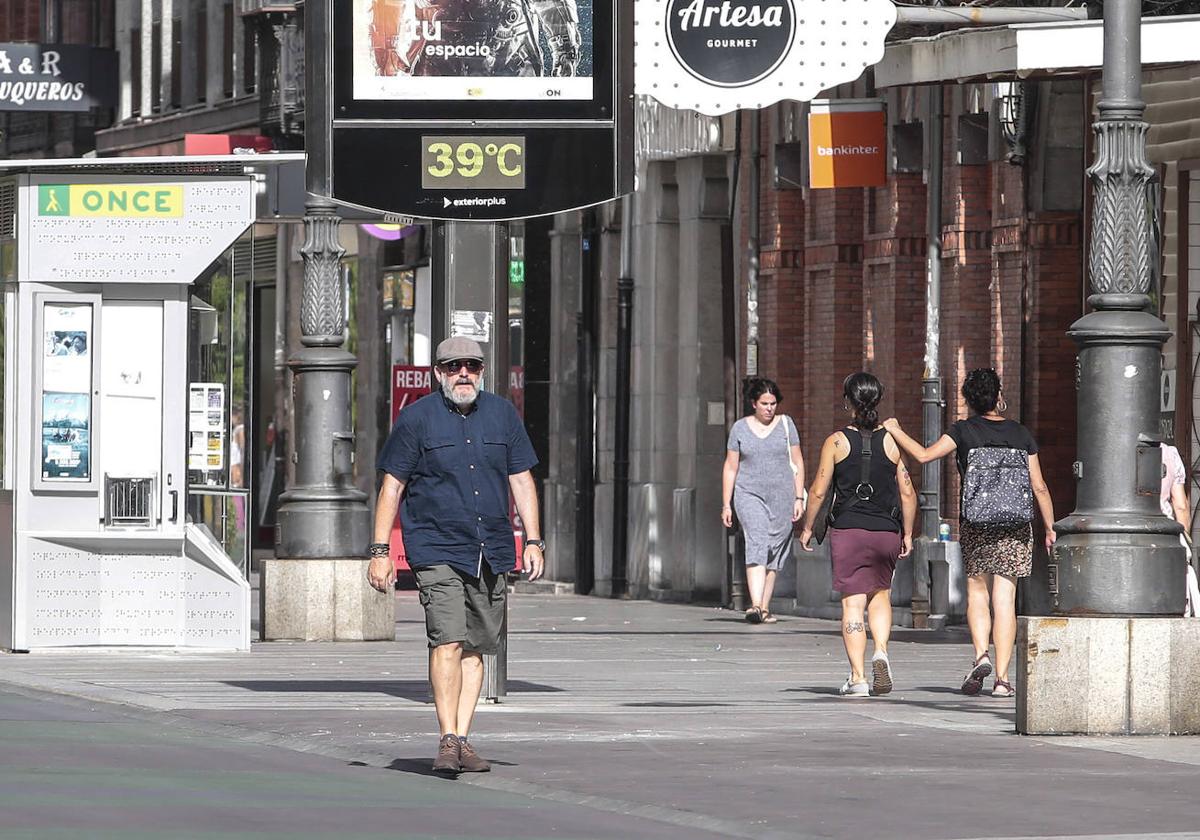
point(111, 200)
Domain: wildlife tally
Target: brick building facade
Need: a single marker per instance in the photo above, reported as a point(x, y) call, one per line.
point(842, 288)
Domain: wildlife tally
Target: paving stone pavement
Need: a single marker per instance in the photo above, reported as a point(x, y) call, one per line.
point(683, 719)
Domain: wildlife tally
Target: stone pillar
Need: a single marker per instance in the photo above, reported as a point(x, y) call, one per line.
point(654, 555)
point(703, 210)
point(559, 489)
point(316, 587)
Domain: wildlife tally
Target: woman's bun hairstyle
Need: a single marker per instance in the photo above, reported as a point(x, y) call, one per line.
point(863, 391)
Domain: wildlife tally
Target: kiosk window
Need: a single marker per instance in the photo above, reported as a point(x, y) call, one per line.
point(66, 399)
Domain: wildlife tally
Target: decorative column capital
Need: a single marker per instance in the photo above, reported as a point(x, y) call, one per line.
point(1122, 247)
point(322, 299)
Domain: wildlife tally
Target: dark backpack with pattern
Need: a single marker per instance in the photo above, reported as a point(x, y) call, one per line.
point(996, 489)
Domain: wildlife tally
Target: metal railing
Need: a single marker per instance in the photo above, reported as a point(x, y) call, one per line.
point(129, 501)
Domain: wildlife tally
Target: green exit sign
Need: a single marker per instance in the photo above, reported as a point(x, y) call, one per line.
point(516, 273)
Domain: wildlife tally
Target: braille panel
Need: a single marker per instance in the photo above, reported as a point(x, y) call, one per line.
point(82, 598)
point(140, 249)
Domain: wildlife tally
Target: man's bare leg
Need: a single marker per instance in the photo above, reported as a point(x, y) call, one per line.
point(468, 696)
point(446, 680)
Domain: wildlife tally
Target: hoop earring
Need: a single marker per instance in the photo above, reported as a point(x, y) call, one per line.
point(1002, 405)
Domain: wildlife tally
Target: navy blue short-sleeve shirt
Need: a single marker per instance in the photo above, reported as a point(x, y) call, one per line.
point(455, 468)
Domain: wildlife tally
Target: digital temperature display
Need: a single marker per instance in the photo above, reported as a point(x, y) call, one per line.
point(472, 163)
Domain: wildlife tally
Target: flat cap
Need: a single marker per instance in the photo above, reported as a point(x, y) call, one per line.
point(458, 348)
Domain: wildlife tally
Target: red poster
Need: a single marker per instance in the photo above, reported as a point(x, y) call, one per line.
point(409, 384)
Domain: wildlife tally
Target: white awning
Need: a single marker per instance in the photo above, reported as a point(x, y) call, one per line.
point(1029, 49)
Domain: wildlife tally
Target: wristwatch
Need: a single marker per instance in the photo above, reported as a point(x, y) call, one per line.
point(537, 544)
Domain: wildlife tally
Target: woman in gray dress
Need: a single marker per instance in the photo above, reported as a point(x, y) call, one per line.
point(764, 479)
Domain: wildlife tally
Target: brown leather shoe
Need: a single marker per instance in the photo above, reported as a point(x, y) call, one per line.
point(469, 761)
point(447, 760)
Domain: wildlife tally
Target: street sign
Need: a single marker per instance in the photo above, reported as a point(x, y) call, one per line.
point(478, 109)
point(716, 56)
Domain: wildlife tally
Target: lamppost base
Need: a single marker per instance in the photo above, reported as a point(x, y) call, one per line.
point(1108, 676)
point(323, 600)
point(1118, 565)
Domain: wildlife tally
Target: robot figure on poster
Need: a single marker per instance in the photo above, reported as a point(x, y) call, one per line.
point(475, 38)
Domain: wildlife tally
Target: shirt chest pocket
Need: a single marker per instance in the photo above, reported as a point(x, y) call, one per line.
point(440, 454)
point(495, 453)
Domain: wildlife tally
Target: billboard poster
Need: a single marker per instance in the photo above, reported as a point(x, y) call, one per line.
point(66, 436)
point(66, 347)
point(472, 50)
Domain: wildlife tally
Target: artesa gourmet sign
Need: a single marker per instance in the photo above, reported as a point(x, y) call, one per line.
point(56, 77)
point(715, 56)
point(730, 44)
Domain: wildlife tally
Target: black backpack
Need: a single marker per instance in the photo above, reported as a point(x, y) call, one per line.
point(996, 489)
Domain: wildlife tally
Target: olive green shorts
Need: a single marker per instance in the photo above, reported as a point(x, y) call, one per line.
point(460, 607)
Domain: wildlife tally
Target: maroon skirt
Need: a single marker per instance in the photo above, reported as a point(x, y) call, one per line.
point(863, 561)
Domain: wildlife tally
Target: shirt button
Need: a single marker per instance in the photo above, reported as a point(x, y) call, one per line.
point(476, 492)
point(468, 440)
point(472, 466)
point(481, 519)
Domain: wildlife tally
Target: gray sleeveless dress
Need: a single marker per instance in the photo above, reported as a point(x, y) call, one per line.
point(764, 493)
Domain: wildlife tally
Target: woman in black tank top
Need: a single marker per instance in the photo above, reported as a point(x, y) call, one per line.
point(873, 513)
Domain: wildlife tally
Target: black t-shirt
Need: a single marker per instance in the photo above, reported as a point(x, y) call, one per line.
point(977, 431)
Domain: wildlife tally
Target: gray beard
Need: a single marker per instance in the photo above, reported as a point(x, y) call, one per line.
point(459, 400)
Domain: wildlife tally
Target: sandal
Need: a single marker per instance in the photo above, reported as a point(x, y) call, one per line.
point(754, 615)
point(972, 684)
point(769, 617)
point(1002, 688)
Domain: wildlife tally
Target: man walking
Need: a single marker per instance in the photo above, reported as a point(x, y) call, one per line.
point(453, 457)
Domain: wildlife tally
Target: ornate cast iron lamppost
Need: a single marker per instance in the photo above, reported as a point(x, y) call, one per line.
point(1117, 554)
point(322, 514)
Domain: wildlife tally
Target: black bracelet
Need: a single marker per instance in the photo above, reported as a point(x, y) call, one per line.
point(379, 549)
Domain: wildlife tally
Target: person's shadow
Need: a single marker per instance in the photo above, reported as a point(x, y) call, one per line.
point(424, 767)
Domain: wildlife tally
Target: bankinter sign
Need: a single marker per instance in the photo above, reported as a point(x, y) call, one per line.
point(847, 144)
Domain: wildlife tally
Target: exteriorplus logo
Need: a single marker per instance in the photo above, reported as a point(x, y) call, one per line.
point(730, 43)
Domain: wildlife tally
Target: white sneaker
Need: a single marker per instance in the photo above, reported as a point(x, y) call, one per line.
point(854, 689)
point(881, 670)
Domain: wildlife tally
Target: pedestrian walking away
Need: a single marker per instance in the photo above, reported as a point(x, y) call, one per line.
point(763, 478)
point(1173, 502)
point(871, 525)
point(448, 465)
point(1002, 484)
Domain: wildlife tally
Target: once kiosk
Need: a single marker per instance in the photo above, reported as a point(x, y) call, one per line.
point(96, 260)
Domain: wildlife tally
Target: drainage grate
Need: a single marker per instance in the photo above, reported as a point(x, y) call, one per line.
point(129, 501)
point(8, 210)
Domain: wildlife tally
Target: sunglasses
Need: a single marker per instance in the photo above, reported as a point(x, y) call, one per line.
point(472, 366)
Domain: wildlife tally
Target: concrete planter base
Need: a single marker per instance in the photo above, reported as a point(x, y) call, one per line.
point(1108, 676)
point(325, 600)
